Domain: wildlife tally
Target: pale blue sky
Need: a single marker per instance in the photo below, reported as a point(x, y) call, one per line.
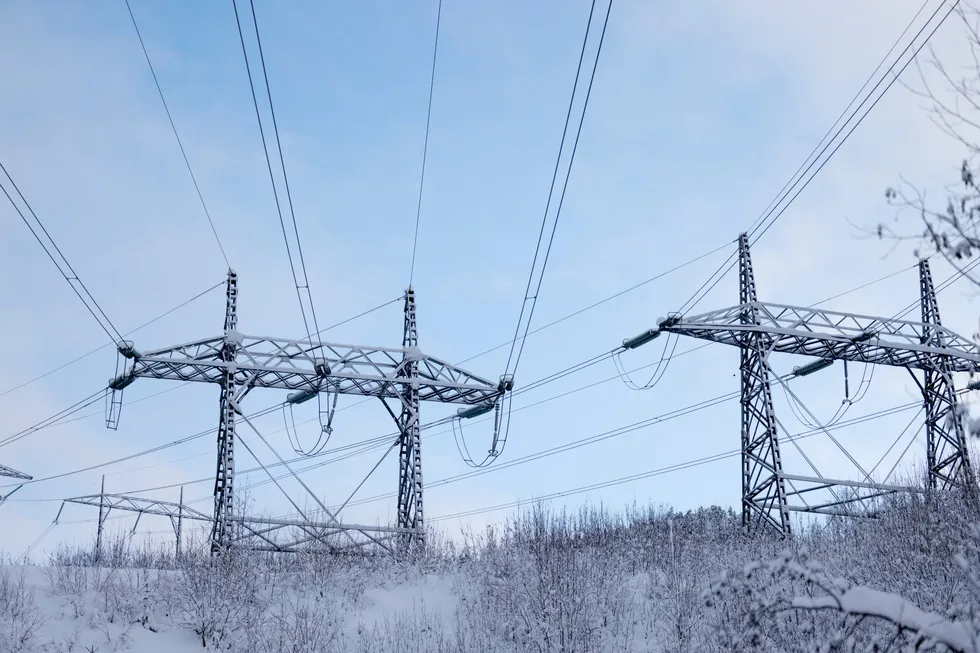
point(699, 113)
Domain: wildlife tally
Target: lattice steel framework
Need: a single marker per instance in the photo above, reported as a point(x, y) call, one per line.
point(252, 533)
point(13, 473)
point(238, 363)
point(760, 328)
point(763, 489)
point(410, 432)
point(225, 476)
point(946, 451)
point(10, 472)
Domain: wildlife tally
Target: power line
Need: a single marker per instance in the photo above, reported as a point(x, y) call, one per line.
point(64, 267)
point(770, 213)
point(602, 301)
point(562, 373)
point(380, 441)
point(173, 126)
point(71, 410)
point(384, 439)
point(425, 146)
point(98, 349)
point(622, 430)
point(544, 221)
point(304, 285)
point(662, 470)
point(950, 280)
point(814, 154)
point(58, 418)
point(891, 81)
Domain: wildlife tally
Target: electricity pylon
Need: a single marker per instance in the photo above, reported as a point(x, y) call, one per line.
point(760, 328)
point(238, 363)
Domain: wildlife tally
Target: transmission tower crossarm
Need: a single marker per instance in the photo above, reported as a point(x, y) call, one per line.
point(299, 365)
point(13, 473)
point(831, 335)
point(249, 528)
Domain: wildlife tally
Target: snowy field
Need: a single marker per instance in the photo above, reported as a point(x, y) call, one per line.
point(545, 582)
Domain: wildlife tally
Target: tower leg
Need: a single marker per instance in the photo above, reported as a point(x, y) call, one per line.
point(410, 434)
point(763, 487)
point(98, 536)
point(180, 523)
point(946, 451)
point(221, 532)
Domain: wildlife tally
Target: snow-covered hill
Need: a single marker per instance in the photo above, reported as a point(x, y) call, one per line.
point(655, 581)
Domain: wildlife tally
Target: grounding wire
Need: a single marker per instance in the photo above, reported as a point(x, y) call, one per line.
point(180, 143)
point(425, 144)
point(609, 298)
point(949, 281)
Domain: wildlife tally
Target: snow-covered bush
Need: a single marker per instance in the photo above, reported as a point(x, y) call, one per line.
point(552, 584)
point(220, 598)
point(908, 580)
point(20, 616)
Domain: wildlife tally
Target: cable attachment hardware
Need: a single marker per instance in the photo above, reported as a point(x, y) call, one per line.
point(325, 414)
point(501, 408)
point(114, 388)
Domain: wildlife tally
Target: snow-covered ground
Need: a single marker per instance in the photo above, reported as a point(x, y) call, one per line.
point(549, 583)
point(116, 613)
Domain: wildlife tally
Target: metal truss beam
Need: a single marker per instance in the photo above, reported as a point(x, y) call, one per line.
point(253, 533)
point(856, 494)
point(832, 335)
point(299, 365)
point(13, 473)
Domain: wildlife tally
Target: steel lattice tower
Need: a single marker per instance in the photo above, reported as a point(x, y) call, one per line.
point(410, 432)
point(239, 363)
point(946, 451)
point(760, 328)
point(763, 488)
point(225, 477)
